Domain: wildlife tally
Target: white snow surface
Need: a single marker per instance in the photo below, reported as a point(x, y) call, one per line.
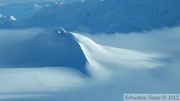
point(104, 58)
point(12, 18)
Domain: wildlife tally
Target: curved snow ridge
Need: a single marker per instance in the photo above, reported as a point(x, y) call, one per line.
point(104, 58)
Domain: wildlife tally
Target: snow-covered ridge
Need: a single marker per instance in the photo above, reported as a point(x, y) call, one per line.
point(105, 63)
point(58, 48)
point(103, 59)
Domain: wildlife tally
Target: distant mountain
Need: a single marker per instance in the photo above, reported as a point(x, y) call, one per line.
point(23, 10)
point(107, 16)
point(46, 48)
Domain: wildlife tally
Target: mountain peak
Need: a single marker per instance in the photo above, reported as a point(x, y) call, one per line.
point(61, 30)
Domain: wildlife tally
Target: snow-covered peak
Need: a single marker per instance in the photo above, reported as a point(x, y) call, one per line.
point(61, 30)
point(6, 19)
point(12, 18)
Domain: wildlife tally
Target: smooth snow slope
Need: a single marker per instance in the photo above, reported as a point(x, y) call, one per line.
point(102, 59)
point(107, 16)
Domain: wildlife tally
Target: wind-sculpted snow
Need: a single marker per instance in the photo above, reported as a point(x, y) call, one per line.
point(51, 64)
point(31, 53)
point(101, 58)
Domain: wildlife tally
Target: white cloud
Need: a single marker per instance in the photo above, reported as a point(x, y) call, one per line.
point(164, 41)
